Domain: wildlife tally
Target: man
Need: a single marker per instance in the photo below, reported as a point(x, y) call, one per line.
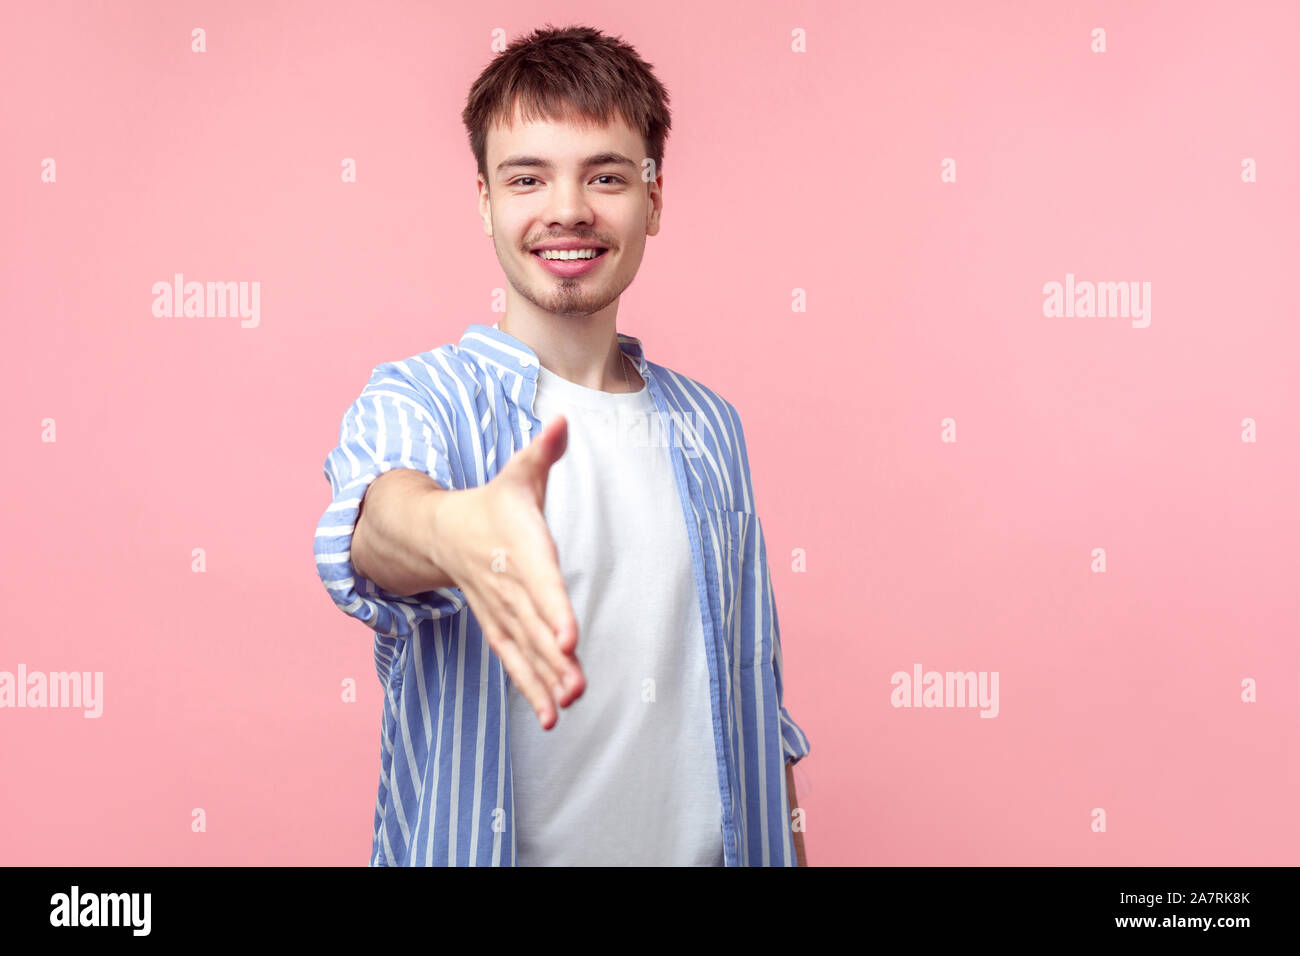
point(485, 550)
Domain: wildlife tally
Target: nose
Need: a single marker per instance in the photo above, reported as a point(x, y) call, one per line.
point(567, 205)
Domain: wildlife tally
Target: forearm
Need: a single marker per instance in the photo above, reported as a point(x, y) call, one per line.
point(392, 544)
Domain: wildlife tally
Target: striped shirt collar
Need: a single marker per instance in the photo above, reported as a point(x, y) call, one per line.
point(504, 353)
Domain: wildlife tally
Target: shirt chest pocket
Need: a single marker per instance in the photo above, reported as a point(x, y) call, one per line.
point(727, 539)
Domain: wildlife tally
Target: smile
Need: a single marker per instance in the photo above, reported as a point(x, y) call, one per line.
point(566, 254)
point(570, 263)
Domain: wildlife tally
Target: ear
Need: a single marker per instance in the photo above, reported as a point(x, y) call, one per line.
point(484, 204)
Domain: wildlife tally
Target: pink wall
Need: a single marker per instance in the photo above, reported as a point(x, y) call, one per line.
point(816, 170)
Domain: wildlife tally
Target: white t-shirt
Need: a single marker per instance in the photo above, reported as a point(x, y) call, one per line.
point(628, 775)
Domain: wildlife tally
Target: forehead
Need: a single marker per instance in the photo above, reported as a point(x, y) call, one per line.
point(560, 140)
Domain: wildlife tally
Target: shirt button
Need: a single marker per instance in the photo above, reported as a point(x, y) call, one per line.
point(527, 425)
point(525, 361)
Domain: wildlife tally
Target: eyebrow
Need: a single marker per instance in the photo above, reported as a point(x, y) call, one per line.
point(536, 162)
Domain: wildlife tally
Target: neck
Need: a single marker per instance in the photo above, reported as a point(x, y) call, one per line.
point(581, 348)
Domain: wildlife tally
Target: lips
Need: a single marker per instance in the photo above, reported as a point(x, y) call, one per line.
point(567, 245)
point(569, 268)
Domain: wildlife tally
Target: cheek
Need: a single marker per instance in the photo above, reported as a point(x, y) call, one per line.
point(632, 246)
point(513, 225)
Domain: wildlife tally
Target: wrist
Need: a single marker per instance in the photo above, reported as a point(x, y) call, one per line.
point(440, 517)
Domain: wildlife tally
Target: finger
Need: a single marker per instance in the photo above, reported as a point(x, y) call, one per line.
point(535, 461)
point(539, 570)
point(557, 438)
point(518, 615)
point(522, 629)
point(515, 662)
point(567, 671)
point(543, 637)
point(565, 631)
point(525, 678)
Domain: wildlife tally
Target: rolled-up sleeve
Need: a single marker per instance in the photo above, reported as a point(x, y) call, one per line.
point(392, 424)
point(794, 741)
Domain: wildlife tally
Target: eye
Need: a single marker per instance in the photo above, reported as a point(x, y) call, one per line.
point(520, 180)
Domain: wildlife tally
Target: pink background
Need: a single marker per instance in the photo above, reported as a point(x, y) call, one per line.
point(817, 171)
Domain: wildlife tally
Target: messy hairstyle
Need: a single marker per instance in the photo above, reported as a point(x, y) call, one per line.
point(576, 75)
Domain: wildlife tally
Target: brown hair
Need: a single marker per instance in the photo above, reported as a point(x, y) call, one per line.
point(575, 74)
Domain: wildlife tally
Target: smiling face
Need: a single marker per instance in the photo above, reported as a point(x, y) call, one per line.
point(556, 182)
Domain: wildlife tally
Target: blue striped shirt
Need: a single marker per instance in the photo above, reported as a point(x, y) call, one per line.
point(457, 413)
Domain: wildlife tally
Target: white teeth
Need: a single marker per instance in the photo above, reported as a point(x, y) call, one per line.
point(569, 253)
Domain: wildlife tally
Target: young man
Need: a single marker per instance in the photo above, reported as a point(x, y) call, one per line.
point(489, 553)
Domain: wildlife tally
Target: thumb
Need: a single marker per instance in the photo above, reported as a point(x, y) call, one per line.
point(535, 461)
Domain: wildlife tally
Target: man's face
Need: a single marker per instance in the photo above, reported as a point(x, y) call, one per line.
point(550, 182)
